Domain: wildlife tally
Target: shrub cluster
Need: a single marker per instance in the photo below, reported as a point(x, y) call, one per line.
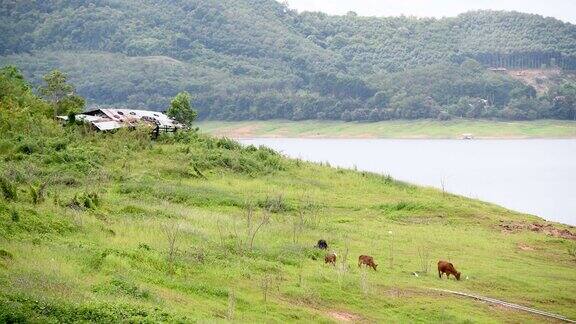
point(208, 153)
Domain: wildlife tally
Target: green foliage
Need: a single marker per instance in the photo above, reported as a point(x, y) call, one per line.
point(275, 204)
point(14, 215)
point(572, 251)
point(12, 83)
point(37, 193)
point(294, 66)
point(85, 200)
point(181, 110)
point(8, 188)
point(206, 153)
point(56, 87)
point(121, 285)
point(70, 105)
point(18, 308)
point(61, 94)
point(6, 255)
point(563, 101)
point(228, 144)
point(22, 112)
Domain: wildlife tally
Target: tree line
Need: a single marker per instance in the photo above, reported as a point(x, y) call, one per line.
point(258, 59)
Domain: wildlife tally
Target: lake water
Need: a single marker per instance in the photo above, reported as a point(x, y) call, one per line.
point(532, 176)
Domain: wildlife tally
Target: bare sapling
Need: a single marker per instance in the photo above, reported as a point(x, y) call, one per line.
point(391, 249)
point(265, 285)
point(298, 225)
point(424, 259)
point(265, 219)
point(443, 185)
point(300, 277)
point(238, 239)
point(37, 193)
point(172, 232)
point(220, 233)
point(344, 258)
point(249, 216)
point(342, 263)
point(246, 236)
point(248, 219)
point(231, 305)
point(364, 285)
point(572, 251)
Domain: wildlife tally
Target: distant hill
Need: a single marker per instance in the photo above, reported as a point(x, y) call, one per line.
point(257, 59)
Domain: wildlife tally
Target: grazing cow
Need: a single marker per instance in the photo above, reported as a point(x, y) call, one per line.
point(447, 268)
point(322, 245)
point(330, 258)
point(367, 260)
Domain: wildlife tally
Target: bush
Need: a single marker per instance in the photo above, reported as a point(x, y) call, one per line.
point(85, 200)
point(6, 255)
point(37, 193)
point(228, 144)
point(96, 260)
point(9, 190)
point(119, 285)
point(444, 116)
point(21, 308)
point(275, 204)
point(28, 148)
point(14, 215)
point(401, 206)
point(572, 251)
point(58, 145)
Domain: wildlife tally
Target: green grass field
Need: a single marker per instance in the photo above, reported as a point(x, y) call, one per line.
point(99, 248)
point(393, 129)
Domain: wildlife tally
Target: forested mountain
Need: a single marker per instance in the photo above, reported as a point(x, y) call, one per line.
point(257, 59)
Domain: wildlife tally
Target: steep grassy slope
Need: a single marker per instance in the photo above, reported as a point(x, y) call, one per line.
point(116, 227)
point(97, 248)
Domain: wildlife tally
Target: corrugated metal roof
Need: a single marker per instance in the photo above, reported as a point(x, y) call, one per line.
point(108, 119)
point(107, 125)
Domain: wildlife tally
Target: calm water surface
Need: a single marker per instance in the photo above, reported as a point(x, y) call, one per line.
point(531, 176)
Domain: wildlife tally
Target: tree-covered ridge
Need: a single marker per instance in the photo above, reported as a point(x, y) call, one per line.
point(185, 30)
point(508, 39)
point(257, 59)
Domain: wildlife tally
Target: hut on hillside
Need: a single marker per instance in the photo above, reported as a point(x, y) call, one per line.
point(108, 119)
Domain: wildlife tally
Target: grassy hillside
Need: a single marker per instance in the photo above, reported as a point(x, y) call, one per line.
point(392, 129)
point(258, 59)
point(116, 227)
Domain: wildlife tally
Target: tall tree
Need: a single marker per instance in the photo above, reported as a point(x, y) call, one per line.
point(60, 94)
point(181, 109)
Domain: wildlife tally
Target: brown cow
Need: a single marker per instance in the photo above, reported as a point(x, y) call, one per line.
point(447, 268)
point(330, 258)
point(367, 260)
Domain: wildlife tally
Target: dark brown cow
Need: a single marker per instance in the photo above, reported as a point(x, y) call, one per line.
point(330, 258)
point(322, 245)
point(447, 268)
point(367, 260)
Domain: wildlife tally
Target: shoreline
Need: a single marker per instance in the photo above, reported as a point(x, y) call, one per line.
point(397, 129)
point(390, 138)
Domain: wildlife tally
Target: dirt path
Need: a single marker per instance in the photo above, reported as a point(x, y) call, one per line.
point(341, 316)
point(507, 304)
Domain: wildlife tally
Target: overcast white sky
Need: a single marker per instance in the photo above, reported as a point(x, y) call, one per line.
point(562, 9)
